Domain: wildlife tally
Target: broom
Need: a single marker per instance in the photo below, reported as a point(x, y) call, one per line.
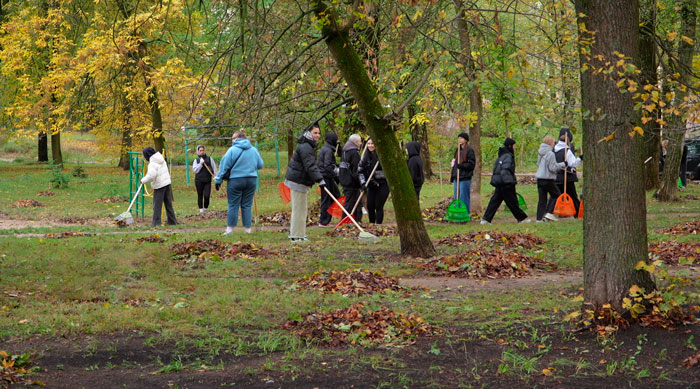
point(364, 236)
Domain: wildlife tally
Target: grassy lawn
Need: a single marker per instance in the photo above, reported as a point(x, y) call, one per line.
point(129, 308)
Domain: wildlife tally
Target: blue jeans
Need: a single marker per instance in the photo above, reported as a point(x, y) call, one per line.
point(464, 192)
point(240, 193)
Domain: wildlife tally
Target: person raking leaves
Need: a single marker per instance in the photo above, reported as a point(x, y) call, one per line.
point(159, 177)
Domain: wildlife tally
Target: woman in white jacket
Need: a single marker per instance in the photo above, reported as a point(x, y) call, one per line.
point(159, 177)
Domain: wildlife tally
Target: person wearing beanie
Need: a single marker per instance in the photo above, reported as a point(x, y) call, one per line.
point(328, 166)
point(463, 165)
point(159, 177)
point(204, 169)
point(504, 181)
point(302, 173)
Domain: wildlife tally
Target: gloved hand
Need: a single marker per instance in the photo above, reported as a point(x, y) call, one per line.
point(217, 186)
point(364, 187)
point(566, 164)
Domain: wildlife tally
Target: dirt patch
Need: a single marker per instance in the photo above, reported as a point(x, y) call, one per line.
point(67, 234)
point(27, 204)
point(505, 239)
point(452, 285)
point(73, 220)
point(348, 282)
point(672, 251)
point(487, 264)
point(46, 193)
point(208, 215)
point(357, 324)
point(688, 228)
point(350, 231)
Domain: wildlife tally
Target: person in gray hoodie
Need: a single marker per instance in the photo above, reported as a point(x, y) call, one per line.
point(547, 169)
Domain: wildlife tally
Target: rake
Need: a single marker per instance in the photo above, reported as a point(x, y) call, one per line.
point(126, 216)
point(364, 236)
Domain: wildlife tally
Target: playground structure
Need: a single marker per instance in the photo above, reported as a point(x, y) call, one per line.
point(136, 167)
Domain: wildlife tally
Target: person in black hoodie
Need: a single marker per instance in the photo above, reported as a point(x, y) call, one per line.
point(504, 181)
point(204, 168)
point(377, 187)
point(302, 173)
point(464, 162)
point(350, 176)
point(329, 170)
point(415, 166)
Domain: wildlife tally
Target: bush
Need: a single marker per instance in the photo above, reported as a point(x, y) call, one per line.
point(58, 179)
point(79, 172)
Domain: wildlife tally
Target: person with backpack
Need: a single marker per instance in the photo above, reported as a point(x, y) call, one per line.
point(415, 167)
point(240, 167)
point(463, 165)
point(564, 151)
point(377, 187)
point(350, 176)
point(328, 166)
point(547, 169)
point(159, 177)
point(504, 181)
point(204, 168)
point(301, 175)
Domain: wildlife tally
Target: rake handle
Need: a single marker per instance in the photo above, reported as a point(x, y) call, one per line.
point(344, 210)
point(134, 199)
point(362, 192)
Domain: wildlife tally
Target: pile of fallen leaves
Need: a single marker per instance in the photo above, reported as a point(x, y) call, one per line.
point(348, 282)
point(73, 220)
point(350, 231)
point(527, 180)
point(209, 215)
point(688, 228)
point(27, 203)
point(222, 195)
point(14, 370)
point(507, 240)
point(46, 193)
point(109, 200)
point(155, 238)
point(690, 197)
point(66, 234)
point(436, 213)
point(204, 249)
point(486, 264)
point(671, 251)
point(283, 218)
point(357, 324)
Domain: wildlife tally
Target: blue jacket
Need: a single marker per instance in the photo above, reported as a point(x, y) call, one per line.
point(247, 161)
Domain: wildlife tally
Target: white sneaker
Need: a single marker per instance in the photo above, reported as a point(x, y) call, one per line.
point(550, 216)
point(525, 221)
point(364, 211)
point(249, 230)
point(228, 230)
point(539, 221)
point(483, 221)
point(201, 211)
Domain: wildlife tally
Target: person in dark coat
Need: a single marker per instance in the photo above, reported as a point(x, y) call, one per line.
point(329, 170)
point(204, 168)
point(351, 178)
point(504, 181)
point(302, 173)
point(564, 152)
point(463, 164)
point(415, 166)
point(684, 166)
point(377, 187)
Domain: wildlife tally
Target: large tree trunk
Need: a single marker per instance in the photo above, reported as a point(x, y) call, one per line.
point(614, 228)
point(412, 233)
point(475, 102)
point(56, 153)
point(647, 59)
point(43, 147)
point(675, 131)
point(419, 133)
point(126, 137)
point(156, 118)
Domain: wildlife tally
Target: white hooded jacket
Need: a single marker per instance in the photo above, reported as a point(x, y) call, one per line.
point(157, 174)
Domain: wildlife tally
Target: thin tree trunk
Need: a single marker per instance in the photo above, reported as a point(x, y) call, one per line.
point(614, 228)
point(675, 131)
point(56, 153)
point(126, 136)
point(412, 233)
point(647, 58)
point(43, 147)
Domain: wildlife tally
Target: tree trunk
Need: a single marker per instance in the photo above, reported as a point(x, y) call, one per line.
point(475, 102)
point(419, 133)
point(647, 58)
point(156, 118)
point(56, 154)
point(675, 130)
point(43, 147)
point(126, 136)
point(614, 228)
point(412, 233)
point(290, 144)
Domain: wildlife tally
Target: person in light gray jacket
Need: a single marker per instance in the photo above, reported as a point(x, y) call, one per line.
point(547, 169)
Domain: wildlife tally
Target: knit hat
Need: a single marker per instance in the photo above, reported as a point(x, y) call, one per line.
point(509, 142)
point(567, 131)
point(464, 136)
point(148, 153)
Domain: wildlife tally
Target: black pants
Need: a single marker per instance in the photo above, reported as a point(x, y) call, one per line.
point(160, 196)
point(571, 191)
point(351, 196)
point(684, 171)
point(203, 193)
point(417, 189)
point(504, 193)
point(327, 201)
point(544, 188)
point(376, 198)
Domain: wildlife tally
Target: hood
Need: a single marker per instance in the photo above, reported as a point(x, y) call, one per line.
point(350, 146)
point(413, 148)
point(560, 145)
point(302, 139)
point(157, 158)
point(503, 150)
point(544, 149)
point(332, 139)
point(243, 143)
